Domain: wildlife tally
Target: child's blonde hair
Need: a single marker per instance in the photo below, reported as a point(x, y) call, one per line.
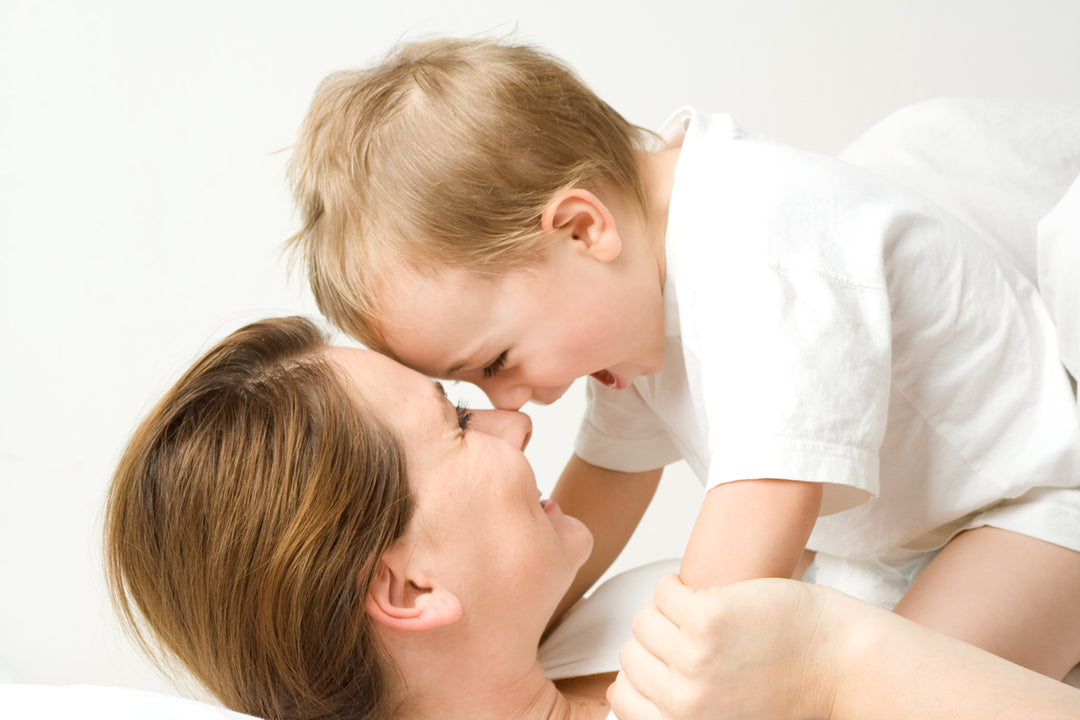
point(444, 156)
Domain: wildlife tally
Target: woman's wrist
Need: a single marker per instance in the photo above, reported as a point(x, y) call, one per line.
point(841, 642)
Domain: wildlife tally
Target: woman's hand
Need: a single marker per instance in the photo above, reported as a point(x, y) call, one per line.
point(760, 649)
point(785, 650)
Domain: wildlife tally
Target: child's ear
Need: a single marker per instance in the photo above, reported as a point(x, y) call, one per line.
point(404, 600)
point(582, 217)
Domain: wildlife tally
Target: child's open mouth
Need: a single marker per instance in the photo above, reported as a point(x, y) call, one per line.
point(606, 378)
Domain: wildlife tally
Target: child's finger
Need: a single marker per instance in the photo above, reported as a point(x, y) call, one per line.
point(629, 704)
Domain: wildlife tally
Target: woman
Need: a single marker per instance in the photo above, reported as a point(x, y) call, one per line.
point(262, 529)
point(317, 532)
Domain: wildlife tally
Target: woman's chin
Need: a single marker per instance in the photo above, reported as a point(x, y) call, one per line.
point(586, 542)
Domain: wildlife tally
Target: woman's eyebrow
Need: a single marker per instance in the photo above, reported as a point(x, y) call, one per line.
point(451, 415)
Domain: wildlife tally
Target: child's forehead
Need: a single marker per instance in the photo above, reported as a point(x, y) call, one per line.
point(425, 290)
point(456, 274)
point(446, 308)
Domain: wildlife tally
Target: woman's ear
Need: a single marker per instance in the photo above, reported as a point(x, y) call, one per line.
point(401, 602)
point(583, 218)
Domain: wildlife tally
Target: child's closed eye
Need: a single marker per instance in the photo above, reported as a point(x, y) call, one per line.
point(495, 365)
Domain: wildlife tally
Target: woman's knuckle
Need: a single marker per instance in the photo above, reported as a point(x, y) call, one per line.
point(685, 699)
point(693, 660)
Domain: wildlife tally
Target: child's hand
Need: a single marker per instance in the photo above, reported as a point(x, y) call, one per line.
point(758, 650)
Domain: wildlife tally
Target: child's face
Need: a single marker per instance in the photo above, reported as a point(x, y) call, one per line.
point(528, 334)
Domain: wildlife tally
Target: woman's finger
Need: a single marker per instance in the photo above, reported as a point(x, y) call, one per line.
point(628, 703)
point(655, 631)
point(674, 599)
point(640, 668)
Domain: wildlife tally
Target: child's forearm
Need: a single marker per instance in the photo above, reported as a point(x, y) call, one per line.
point(750, 529)
point(611, 504)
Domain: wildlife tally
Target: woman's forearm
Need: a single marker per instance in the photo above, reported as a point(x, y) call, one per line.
point(894, 668)
point(775, 649)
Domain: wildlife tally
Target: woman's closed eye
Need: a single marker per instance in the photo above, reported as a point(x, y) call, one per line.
point(495, 365)
point(461, 410)
point(464, 415)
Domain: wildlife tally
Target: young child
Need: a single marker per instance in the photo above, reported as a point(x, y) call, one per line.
point(842, 363)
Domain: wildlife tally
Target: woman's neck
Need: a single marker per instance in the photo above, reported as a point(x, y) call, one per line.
point(531, 698)
point(589, 693)
point(572, 699)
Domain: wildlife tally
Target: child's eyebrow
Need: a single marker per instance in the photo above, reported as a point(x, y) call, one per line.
point(460, 365)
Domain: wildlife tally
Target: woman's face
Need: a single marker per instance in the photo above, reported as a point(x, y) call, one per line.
point(479, 519)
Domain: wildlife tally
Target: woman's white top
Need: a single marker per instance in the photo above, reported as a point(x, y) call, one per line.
point(588, 640)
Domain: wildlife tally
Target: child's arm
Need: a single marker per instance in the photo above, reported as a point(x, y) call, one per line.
point(750, 529)
point(611, 504)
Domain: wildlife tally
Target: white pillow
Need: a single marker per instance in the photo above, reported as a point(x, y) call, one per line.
point(97, 702)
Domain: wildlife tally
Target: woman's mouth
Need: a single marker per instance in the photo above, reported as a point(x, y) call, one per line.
point(549, 505)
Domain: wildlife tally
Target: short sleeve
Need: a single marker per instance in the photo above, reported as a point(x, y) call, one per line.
point(803, 394)
point(620, 432)
point(786, 328)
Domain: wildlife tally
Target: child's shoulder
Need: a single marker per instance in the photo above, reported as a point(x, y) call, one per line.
point(717, 149)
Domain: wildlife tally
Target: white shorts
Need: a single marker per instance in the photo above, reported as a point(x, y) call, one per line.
point(1049, 514)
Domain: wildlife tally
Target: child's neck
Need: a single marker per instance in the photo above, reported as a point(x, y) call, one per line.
point(657, 173)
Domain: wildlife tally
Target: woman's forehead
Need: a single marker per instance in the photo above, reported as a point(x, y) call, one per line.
point(371, 371)
point(410, 402)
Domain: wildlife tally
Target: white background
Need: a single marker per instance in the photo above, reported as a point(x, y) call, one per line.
point(143, 205)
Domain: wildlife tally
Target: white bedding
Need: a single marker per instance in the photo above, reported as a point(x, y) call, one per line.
point(96, 702)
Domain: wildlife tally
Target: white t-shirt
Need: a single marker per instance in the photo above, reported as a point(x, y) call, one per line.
point(1059, 282)
point(826, 325)
point(588, 640)
point(1005, 168)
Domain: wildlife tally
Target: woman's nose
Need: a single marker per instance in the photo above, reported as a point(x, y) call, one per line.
point(510, 425)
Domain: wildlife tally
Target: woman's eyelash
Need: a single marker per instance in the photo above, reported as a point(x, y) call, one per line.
point(496, 365)
point(464, 415)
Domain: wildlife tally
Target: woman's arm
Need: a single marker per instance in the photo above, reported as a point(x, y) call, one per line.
point(785, 650)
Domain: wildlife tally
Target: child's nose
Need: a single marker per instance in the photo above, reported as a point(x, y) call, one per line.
point(507, 397)
point(512, 426)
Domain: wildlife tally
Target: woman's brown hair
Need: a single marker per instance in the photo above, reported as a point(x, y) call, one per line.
point(243, 523)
